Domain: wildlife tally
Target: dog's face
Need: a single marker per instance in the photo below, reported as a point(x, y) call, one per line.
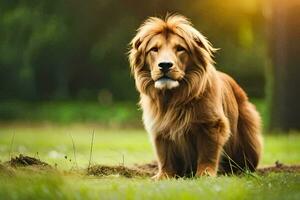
point(167, 58)
point(168, 54)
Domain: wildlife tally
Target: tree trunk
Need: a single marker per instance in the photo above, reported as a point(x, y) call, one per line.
point(284, 27)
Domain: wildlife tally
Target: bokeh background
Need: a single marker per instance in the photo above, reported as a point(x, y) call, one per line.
point(65, 61)
point(67, 97)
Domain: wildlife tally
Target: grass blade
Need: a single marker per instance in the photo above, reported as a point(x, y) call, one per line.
point(91, 149)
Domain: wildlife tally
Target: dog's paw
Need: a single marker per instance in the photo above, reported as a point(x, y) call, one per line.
point(206, 171)
point(160, 176)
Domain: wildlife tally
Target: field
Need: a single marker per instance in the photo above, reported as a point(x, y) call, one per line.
point(68, 150)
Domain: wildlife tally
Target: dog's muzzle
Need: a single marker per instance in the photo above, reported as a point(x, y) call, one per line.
point(165, 83)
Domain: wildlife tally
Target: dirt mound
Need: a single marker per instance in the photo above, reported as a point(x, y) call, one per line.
point(102, 170)
point(23, 161)
point(152, 168)
point(141, 170)
point(279, 167)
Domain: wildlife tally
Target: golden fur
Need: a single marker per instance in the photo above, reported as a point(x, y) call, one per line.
point(199, 119)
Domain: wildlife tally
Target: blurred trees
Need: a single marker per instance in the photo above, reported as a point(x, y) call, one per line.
point(72, 49)
point(284, 48)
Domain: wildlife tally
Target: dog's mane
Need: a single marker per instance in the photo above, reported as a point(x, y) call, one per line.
point(195, 82)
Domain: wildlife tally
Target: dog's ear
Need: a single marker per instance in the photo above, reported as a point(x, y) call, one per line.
point(136, 58)
point(137, 43)
point(203, 49)
point(203, 43)
point(136, 55)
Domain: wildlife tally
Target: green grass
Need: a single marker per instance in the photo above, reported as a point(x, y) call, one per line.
point(52, 143)
point(109, 115)
point(114, 115)
point(111, 146)
point(54, 186)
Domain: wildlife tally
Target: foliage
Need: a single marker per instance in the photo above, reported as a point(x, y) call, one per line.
point(62, 50)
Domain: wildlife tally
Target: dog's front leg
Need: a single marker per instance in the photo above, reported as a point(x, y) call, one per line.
point(210, 143)
point(165, 157)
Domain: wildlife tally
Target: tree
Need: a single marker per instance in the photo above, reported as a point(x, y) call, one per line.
point(285, 72)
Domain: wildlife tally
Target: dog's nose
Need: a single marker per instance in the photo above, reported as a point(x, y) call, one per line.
point(165, 66)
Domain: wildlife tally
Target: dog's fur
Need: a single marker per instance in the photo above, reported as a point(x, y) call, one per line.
point(199, 119)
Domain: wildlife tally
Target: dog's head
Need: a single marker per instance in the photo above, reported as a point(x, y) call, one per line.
point(168, 54)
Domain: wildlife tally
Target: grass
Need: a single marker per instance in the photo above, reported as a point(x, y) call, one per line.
point(55, 186)
point(108, 115)
point(114, 115)
point(111, 146)
point(54, 145)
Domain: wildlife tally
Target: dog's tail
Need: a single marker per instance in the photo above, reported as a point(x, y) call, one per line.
point(248, 145)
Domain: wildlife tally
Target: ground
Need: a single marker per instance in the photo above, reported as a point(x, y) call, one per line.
point(68, 150)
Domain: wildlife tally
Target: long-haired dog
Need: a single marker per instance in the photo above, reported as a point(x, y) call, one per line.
point(199, 119)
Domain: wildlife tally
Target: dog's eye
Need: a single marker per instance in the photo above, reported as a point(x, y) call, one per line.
point(154, 49)
point(180, 49)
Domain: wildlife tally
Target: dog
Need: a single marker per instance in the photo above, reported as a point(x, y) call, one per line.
point(199, 119)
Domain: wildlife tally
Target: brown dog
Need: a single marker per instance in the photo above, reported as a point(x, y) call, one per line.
point(199, 119)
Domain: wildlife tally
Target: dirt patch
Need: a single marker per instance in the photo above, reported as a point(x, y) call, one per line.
point(279, 167)
point(102, 170)
point(150, 168)
point(141, 170)
point(23, 161)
